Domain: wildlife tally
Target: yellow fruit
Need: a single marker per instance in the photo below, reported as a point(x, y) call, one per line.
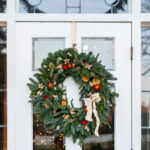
point(96, 81)
point(85, 78)
point(66, 117)
point(46, 105)
point(51, 65)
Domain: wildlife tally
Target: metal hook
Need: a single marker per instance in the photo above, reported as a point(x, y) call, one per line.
point(112, 5)
point(74, 45)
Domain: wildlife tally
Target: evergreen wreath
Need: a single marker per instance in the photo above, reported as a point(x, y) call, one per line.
point(49, 98)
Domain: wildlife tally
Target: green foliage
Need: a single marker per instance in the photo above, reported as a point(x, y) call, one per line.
point(47, 101)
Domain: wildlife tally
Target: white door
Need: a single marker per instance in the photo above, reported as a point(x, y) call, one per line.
point(111, 40)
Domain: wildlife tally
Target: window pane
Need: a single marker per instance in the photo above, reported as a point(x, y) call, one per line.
point(3, 108)
point(106, 139)
point(104, 6)
point(104, 46)
point(145, 6)
point(73, 6)
point(42, 46)
point(145, 89)
point(2, 58)
point(3, 138)
point(3, 90)
point(45, 140)
point(2, 6)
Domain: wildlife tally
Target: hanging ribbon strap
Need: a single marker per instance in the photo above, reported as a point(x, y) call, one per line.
point(74, 34)
point(91, 107)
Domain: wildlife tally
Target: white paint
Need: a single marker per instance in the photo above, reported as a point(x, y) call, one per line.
point(11, 74)
point(136, 85)
point(135, 18)
point(123, 84)
point(72, 90)
point(75, 17)
point(24, 122)
point(122, 43)
point(72, 146)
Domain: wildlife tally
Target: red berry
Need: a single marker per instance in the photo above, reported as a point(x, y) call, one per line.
point(45, 97)
point(50, 84)
point(53, 111)
point(69, 66)
point(65, 67)
point(96, 87)
point(83, 122)
point(84, 61)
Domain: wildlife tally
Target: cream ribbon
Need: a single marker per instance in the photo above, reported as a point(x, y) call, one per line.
point(89, 102)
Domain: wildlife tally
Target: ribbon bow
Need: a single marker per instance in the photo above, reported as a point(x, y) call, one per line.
point(91, 107)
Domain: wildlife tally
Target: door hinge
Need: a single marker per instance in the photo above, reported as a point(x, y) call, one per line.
point(131, 56)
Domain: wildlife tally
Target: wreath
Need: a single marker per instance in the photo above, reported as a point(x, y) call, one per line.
point(49, 98)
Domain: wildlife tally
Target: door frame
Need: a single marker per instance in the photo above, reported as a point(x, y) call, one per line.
point(64, 22)
point(134, 16)
point(136, 69)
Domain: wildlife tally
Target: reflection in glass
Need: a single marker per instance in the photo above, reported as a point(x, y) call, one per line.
point(145, 139)
point(145, 6)
point(106, 139)
point(73, 6)
point(2, 6)
point(2, 58)
point(43, 46)
point(3, 108)
point(3, 138)
point(145, 89)
point(104, 46)
point(45, 140)
point(3, 91)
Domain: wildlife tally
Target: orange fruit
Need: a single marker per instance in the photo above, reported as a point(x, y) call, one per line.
point(63, 102)
point(50, 84)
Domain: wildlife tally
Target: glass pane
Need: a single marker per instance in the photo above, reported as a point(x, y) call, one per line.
point(2, 6)
point(80, 6)
point(145, 6)
point(145, 89)
point(106, 139)
point(3, 93)
point(2, 58)
point(45, 140)
point(145, 139)
point(104, 46)
point(3, 138)
point(42, 46)
point(3, 108)
point(104, 6)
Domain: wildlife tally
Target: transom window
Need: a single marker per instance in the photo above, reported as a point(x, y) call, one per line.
point(73, 6)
